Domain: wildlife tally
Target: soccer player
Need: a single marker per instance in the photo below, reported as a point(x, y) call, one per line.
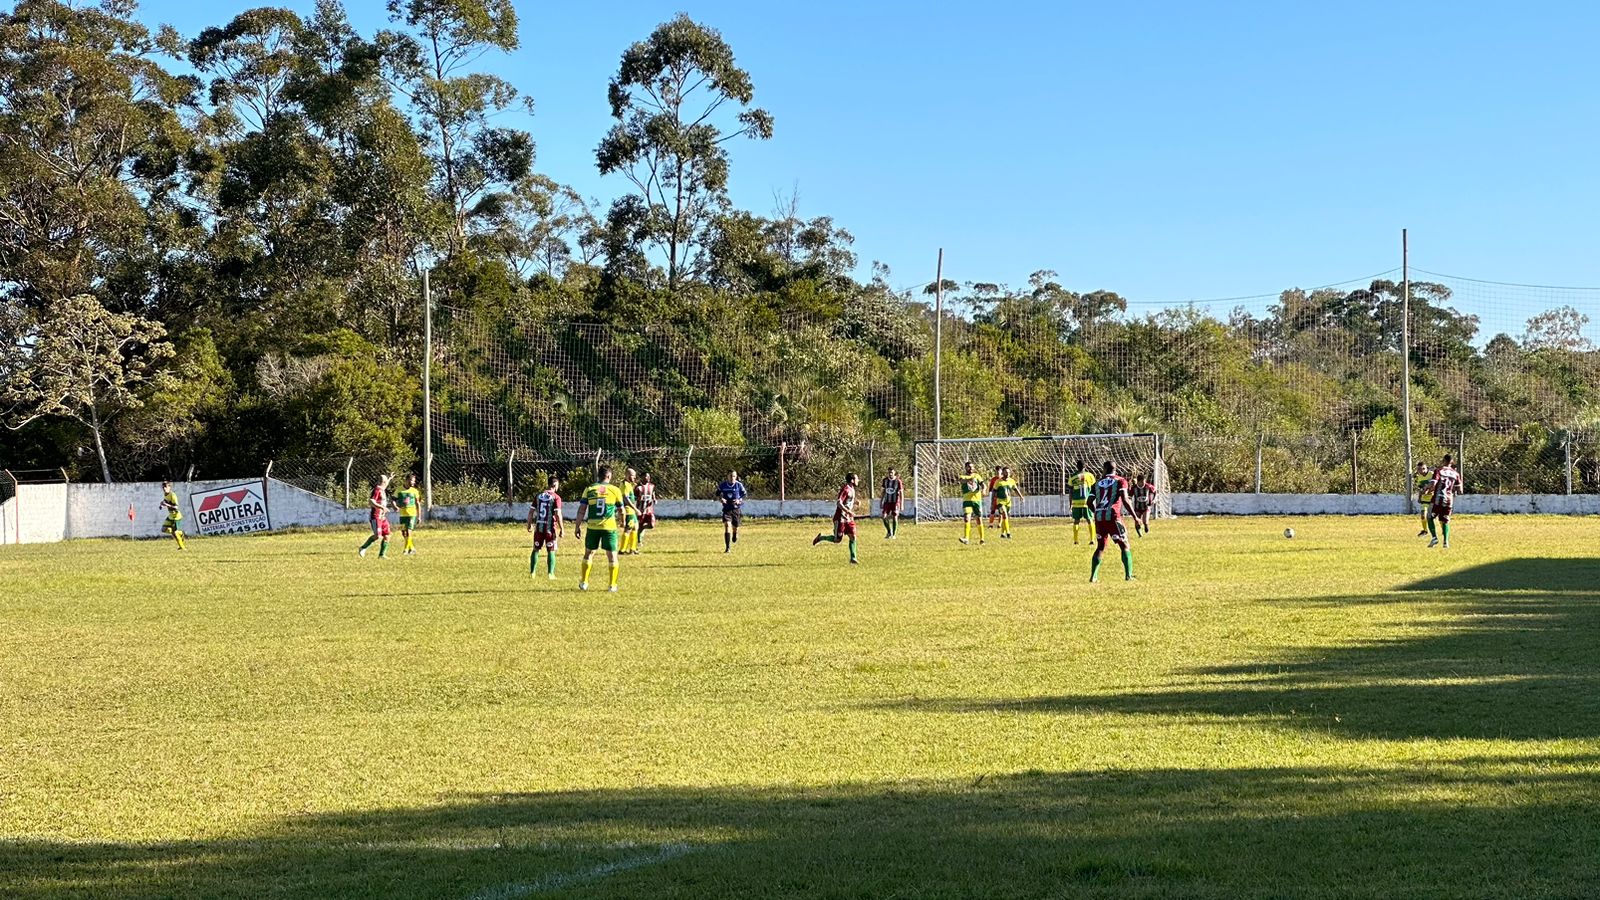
point(1424, 495)
point(1446, 484)
point(601, 511)
point(408, 501)
point(1144, 499)
point(844, 518)
point(994, 501)
point(971, 503)
point(174, 523)
point(1080, 487)
point(378, 516)
point(646, 493)
point(893, 491)
point(1006, 489)
point(544, 521)
point(1110, 499)
point(630, 513)
point(732, 493)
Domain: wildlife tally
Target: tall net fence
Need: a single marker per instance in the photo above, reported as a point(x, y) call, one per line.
point(1294, 391)
point(1041, 467)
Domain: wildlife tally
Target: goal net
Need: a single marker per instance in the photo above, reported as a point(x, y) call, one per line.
point(1039, 465)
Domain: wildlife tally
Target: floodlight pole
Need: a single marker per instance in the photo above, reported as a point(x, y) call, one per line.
point(1405, 364)
point(427, 393)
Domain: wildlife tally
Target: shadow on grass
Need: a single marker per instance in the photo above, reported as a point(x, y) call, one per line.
point(1518, 657)
point(1474, 828)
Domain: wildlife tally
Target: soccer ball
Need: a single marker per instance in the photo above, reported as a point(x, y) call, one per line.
point(1288, 532)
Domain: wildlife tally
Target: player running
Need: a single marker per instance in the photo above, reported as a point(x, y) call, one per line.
point(1424, 495)
point(544, 522)
point(1005, 490)
point(408, 501)
point(174, 523)
point(646, 493)
point(732, 494)
point(1446, 484)
point(844, 518)
point(893, 490)
point(1144, 500)
point(1079, 488)
point(601, 511)
point(630, 513)
point(378, 518)
point(971, 503)
point(1110, 499)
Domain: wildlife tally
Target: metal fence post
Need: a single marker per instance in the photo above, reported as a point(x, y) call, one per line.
point(348, 463)
point(783, 475)
point(1461, 455)
point(872, 463)
point(688, 474)
point(1261, 441)
point(1567, 449)
point(1355, 468)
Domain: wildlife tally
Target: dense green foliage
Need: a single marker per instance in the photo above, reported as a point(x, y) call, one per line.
point(1341, 715)
point(267, 191)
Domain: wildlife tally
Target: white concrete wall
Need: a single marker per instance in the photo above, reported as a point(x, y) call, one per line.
point(42, 513)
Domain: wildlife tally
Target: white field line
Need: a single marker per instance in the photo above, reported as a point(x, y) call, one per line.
point(519, 889)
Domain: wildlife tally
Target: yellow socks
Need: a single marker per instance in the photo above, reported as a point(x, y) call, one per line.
point(588, 564)
point(966, 529)
point(178, 535)
point(614, 575)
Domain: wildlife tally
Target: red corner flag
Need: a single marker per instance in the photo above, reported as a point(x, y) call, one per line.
point(130, 512)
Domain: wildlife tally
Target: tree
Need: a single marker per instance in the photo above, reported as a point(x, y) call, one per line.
point(669, 139)
point(90, 143)
point(82, 362)
point(453, 106)
point(1557, 329)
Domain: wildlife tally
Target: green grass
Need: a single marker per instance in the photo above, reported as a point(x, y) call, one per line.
point(1343, 714)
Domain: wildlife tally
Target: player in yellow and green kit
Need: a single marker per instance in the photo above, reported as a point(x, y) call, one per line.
point(972, 482)
point(409, 501)
point(1006, 490)
point(174, 523)
point(600, 515)
point(630, 513)
point(1424, 485)
point(1079, 487)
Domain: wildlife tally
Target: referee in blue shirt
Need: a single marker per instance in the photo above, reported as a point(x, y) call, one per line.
point(732, 494)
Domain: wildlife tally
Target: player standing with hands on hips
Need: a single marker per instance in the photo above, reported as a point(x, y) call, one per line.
point(893, 490)
point(1111, 497)
point(544, 522)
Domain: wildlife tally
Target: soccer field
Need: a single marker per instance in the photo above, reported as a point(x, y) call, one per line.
point(1341, 714)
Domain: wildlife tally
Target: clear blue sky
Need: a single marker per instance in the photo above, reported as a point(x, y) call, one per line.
point(1163, 150)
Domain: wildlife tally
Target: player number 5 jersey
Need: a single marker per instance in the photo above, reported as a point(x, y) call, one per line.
point(546, 509)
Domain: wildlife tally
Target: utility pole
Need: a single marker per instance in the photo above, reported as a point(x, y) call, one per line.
point(1405, 364)
point(427, 394)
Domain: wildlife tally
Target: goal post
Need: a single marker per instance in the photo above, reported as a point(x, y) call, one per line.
point(1041, 466)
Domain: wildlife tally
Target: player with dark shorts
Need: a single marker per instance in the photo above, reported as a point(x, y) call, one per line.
point(544, 521)
point(1144, 500)
point(378, 517)
point(844, 518)
point(1446, 484)
point(1111, 497)
point(732, 493)
point(893, 492)
point(1081, 489)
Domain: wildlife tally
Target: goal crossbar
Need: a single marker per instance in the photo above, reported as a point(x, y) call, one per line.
point(1042, 466)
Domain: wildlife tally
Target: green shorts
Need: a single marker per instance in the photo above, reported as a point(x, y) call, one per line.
point(630, 522)
point(971, 506)
point(173, 523)
point(408, 522)
point(1082, 514)
point(595, 539)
